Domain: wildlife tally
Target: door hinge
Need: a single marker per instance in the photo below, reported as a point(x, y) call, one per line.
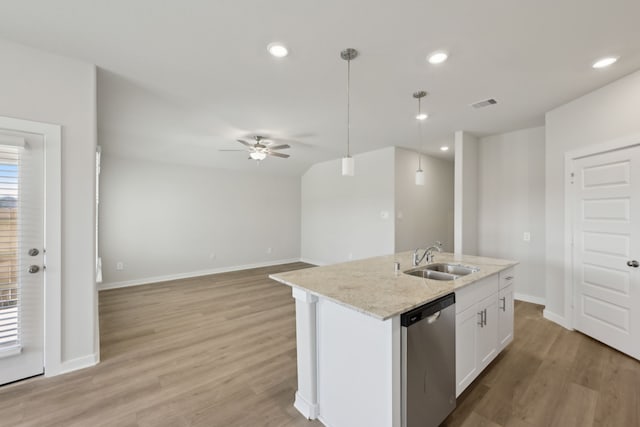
point(571, 176)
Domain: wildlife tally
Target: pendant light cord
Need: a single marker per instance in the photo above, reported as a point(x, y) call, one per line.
point(419, 135)
point(348, 106)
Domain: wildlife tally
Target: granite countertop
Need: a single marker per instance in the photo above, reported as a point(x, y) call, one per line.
point(372, 287)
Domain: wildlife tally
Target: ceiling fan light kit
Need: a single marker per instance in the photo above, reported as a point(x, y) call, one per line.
point(348, 165)
point(420, 178)
point(262, 148)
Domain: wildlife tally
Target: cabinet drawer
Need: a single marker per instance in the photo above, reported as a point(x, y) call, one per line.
point(471, 294)
point(506, 277)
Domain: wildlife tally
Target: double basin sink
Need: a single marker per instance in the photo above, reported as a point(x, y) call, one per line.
point(442, 271)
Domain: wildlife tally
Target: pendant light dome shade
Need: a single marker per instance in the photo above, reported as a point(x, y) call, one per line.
point(420, 180)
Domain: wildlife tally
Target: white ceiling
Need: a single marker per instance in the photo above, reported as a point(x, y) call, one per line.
point(180, 79)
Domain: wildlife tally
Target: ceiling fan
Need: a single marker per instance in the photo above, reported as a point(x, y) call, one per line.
point(262, 148)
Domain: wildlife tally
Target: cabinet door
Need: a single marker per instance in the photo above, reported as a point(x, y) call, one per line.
point(466, 338)
point(488, 333)
point(505, 317)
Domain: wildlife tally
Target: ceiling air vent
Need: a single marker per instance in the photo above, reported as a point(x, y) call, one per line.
point(484, 103)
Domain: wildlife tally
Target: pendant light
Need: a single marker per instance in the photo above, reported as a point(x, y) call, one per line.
point(420, 179)
point(347, 162)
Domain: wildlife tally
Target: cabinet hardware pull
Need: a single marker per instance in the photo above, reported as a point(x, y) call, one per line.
point(508, 278)
point(481, 322)
point(504, 304)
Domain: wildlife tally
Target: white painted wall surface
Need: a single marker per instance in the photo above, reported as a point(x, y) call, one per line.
point(606, 114)
point(511, 202)
point(163, 220)
point(43, 87)
point(466, 194)
point(424, 214)
point(343, 216)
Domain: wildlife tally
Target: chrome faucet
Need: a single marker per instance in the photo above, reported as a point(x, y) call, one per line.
point(428, 254)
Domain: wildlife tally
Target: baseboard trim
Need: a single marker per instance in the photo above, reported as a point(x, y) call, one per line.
point(74, 365)
point(556, 318)
point(314, 262)
point(166, 278)
point(529, 298)
point(309, 410)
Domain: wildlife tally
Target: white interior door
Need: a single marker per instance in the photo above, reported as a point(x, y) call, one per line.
point(606, 233)
point(21, 255)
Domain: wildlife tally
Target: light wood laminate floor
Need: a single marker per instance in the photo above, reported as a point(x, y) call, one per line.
point(220, 351)
point(549, 376)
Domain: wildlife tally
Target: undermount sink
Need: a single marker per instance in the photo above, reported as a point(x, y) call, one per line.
point(442, 271)
point(455, 269)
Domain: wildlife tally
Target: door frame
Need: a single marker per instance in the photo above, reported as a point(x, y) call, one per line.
point(52, 135)
point(569, 158)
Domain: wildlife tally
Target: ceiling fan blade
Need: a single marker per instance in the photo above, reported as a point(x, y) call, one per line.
point(284, 156)
point(279, 147)
point(248, 144)
point(232, 150)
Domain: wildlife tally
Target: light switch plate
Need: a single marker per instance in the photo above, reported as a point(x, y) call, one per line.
point(527, 236)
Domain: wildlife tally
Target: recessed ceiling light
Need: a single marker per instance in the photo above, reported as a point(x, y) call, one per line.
point(278, 50)
point(444, 148)
point(422, 116)
point(604, 62)
point(438, 57)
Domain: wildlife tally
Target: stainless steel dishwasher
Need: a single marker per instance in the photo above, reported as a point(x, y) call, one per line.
point(429, 363)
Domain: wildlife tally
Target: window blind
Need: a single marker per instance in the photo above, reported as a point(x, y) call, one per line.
point(9, 244)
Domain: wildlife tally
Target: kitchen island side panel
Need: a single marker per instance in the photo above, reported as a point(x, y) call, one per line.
point(358, 368)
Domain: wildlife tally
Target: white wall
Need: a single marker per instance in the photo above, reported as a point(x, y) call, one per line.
point(342, 216)
point(424, 214)
point(39, 86)
point(511, 202)
point(466, 194)
point(164, 220)
point(608, 113)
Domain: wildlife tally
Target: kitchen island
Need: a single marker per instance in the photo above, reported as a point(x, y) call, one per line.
point(348, 331)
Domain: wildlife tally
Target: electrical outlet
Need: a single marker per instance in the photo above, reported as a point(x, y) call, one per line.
point(120, 266)
point(212, 256)
point(527, 236)
point(269, 250)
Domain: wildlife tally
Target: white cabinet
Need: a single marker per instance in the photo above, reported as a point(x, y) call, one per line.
point(466, 360)
point(487, 345)
point(505, 317)
point(484, 325)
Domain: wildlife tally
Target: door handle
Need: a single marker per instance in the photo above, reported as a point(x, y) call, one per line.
point(33, 252)
point(633, 263)
point(33, 269)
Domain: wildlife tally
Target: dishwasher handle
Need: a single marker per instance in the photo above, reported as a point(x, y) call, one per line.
point(434, 317)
